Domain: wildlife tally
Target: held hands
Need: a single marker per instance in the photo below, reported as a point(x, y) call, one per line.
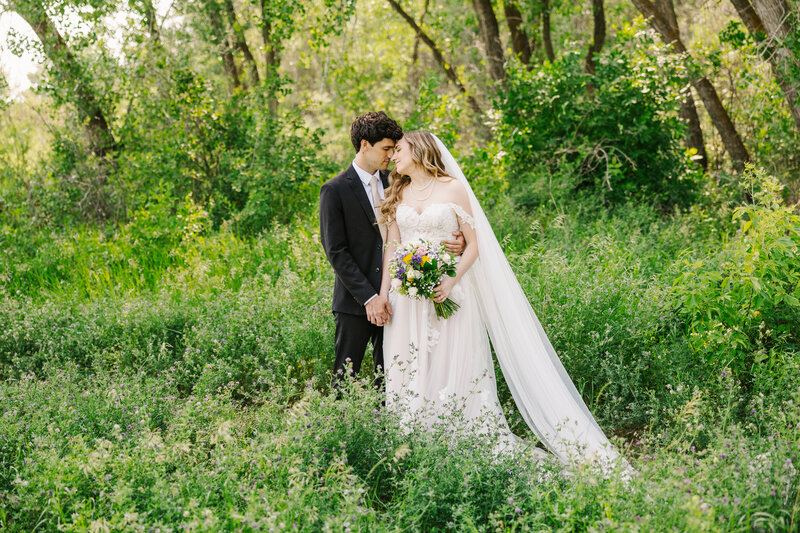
point(379, 311)
point(442, 290)
point(456, 245)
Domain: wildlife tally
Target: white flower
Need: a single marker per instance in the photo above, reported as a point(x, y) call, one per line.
point(446, 258)
point(412, 291)
point(413, 274)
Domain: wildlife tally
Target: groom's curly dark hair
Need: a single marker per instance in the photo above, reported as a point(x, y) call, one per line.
point(374, 126)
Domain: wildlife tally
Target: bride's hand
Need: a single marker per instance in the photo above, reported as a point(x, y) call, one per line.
point(442, 290)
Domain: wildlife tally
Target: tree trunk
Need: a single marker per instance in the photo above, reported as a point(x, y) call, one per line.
point(271, 58)
point(546, 38)
point(221, 38)
point(150, 22)
point(599, 16)
point(776, 16)
point(241, 42)
point(70, 73)
point(662, 17)
point(694, 134)
point(437, 55)
point(519, 40)
point(491, 38)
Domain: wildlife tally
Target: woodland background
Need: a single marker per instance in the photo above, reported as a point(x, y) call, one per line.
point(165, 333)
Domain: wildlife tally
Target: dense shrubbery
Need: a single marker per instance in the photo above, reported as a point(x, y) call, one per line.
point(742, 301)
point(235, 159)
point(189, 381)
point(616, 132)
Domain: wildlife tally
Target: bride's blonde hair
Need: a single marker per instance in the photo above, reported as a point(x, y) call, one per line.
point(425, 154)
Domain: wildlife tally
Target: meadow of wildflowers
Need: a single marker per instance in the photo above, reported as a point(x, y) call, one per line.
point(186, 388)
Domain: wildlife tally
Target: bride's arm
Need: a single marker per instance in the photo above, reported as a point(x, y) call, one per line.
point(470, 253)
point(392, 238)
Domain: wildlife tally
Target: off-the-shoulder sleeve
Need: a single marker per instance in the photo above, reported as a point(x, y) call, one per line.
point(463, 216)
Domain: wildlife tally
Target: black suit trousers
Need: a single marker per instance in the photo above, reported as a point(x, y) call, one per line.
point(353, 332)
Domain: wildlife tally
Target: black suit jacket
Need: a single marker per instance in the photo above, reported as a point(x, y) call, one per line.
point(352, 240)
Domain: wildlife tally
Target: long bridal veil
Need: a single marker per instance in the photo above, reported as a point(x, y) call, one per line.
point(542, 390)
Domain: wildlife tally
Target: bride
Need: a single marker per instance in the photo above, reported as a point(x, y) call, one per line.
point(438, 368)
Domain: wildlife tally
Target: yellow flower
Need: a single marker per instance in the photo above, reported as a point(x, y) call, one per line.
point(425, 259)
point(407, 259)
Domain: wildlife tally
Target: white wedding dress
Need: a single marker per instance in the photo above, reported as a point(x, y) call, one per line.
point(443, 370)
point(440, 371)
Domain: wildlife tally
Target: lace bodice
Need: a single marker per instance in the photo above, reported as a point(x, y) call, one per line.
point(436, 222)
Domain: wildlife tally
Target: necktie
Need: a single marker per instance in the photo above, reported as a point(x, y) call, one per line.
point(376, 204)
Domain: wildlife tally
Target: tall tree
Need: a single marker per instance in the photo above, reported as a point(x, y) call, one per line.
point(271, 51)
point(437, 55)
point(769, 31)
point(661, 15)
point(547, 39)
point(491, 38)
point(220, 38)
point(694, 133)
point(519, 39)
point(599, 17)
point(149, 13)
point(69, 73)
point(241, 42)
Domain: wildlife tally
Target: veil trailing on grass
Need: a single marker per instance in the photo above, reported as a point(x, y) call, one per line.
point(542, 390)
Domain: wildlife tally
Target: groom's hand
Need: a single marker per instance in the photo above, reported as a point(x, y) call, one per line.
point(456, 245)
point(379, 311)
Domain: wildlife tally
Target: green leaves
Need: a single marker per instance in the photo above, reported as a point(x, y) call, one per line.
point(745, 296)
point(615, 134)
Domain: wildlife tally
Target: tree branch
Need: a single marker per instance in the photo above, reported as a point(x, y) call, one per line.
point(437, 55)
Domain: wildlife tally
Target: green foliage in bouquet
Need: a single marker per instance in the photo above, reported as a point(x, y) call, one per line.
point(418, 268)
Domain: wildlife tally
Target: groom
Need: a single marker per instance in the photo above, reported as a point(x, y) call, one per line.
point(353, 242)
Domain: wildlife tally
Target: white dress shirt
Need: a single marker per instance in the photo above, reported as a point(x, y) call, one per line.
point(366, 177)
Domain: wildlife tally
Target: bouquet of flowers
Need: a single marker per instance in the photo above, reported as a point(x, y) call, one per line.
point(418, 267)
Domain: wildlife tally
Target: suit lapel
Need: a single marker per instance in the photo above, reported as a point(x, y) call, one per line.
point(361, 195)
